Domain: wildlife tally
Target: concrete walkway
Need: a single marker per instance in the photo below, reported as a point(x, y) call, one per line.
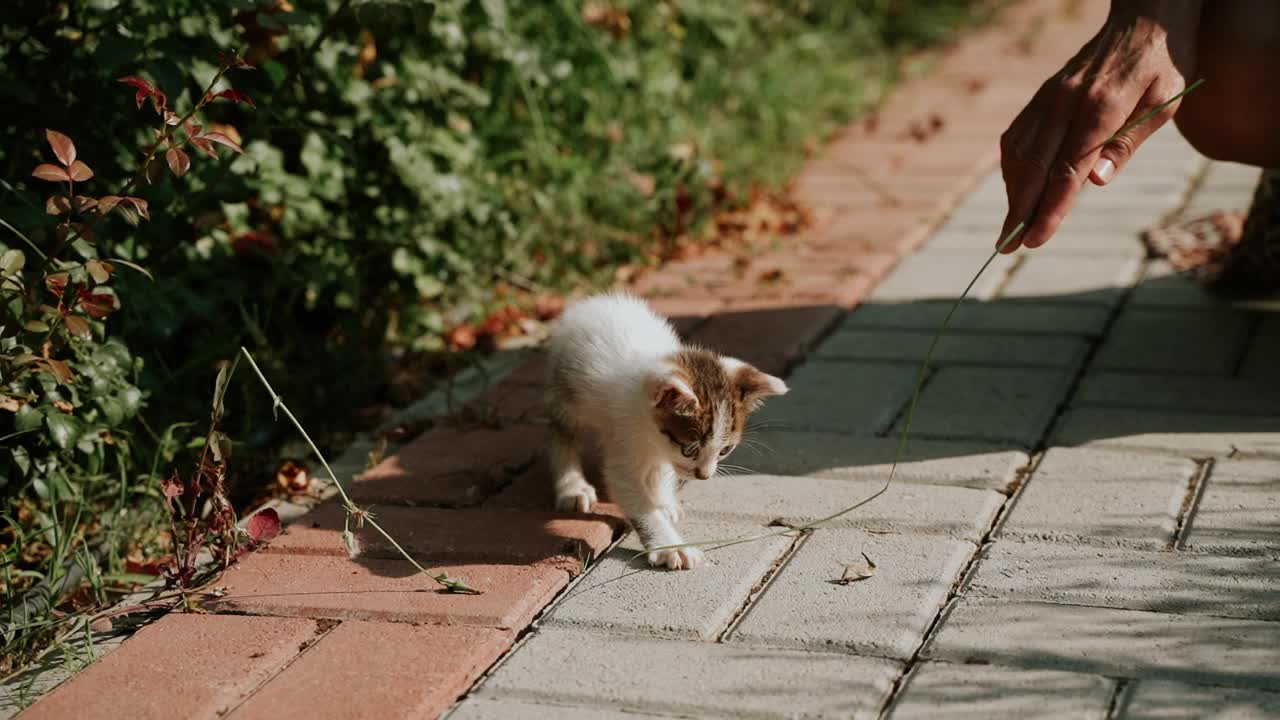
point(1086, 525)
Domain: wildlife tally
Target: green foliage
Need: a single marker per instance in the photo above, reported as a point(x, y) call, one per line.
point(402, 159)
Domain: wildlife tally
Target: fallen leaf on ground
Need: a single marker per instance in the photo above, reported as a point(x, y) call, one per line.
point(858, 571)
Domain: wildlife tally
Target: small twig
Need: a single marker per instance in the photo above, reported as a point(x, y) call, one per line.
point(453, 585)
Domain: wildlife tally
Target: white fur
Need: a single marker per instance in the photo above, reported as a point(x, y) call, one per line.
point(609, 362)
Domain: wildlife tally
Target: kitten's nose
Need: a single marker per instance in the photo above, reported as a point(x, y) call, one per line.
point(701, 474)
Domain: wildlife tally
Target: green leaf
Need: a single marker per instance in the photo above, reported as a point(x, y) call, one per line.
point(63, 428)
point(12, 261)
point(27, 418)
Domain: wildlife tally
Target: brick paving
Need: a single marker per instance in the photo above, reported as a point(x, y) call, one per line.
point(1086, 525)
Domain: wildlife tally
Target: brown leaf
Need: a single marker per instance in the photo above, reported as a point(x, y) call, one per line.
point(79, 171)
point(57, 205)
point(10, 403)
point(60, 371)
point(77, 326)
point(99, 271)
point(178, 161)
point(57, 282)
point(292, 477)
point(101, 625)
point(204, 146)
point(140, 205)
point(64, 406)
point(51, 172)
point(62, 146)
point(857, 571)
point(84, 203)
point(264, 525)
point(223, 140)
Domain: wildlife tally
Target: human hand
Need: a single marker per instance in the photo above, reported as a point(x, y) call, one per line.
point(1140, 59)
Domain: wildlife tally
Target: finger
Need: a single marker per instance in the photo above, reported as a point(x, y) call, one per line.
point(1119, 150)
point(1097, 118)
point(1027, 153)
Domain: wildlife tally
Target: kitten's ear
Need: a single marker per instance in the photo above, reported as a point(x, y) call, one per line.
point(755, 385)
point(673, 394)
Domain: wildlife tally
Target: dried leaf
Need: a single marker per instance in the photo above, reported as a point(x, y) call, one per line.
point(79, 171)
point(178, 161)
point(858, 571)
point(62, 146)
point(51, 172)
point(264, 525)
point(172, 487)
point(101, 625)
point(292, 477)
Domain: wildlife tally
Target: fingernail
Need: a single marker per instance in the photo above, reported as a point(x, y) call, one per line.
point(1104, 170)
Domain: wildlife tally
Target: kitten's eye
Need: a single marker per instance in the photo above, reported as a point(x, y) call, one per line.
point(726, 450)
point(690, 451)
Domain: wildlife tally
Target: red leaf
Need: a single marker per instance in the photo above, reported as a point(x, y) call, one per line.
point(51, 172)
point(98, 305)
point(79, 171)
point(264, 525)
point(62, 146)
point(223, 140)
point(192, 128)
point(85, 203)
point(107, 202)
point(178, 161)
point(233, 96)
point(60, 370)
point(204, 146)
point(57, 205)
point(77, 326)
point(146, 90)
point(172, 488)
point(140, 205)
point(57, 282)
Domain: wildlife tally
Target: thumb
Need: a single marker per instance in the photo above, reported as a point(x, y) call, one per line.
point(1117, 151)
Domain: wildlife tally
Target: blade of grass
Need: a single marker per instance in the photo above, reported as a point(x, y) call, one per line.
point(920, 376)
point(453, 585)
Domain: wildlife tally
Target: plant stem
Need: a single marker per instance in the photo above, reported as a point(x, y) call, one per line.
point(453, 585)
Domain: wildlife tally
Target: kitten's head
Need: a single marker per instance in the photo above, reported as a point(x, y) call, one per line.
point(701, 403)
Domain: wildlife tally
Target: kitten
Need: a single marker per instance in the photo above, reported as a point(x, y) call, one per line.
point(658, 411)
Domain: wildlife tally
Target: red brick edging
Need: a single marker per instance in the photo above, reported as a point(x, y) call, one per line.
point(306, 631)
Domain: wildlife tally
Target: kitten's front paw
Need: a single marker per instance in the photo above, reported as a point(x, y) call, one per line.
point(579, 498)
point(677, 559)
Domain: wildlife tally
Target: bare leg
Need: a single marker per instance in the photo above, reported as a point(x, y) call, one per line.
point(1235, 116)
point(638, 490)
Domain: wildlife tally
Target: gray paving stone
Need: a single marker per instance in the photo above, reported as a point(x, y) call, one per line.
point(850, 397)
point(1175, 341)
point(1002, 315)
point(1239, 510)
point(1003, 405)
point(1094, 280)
point(1184, 434)
point(1182, 583)
point(1262, 359)
point(480, 709)
point(1106, 641)
point(690, 678)
point(932, 462)
point(1161, 287)
point(903, 508)
point(623, 595)
point(1163, 700)
point(932, 276)
point(884, 615)
point(1100, 496)
point(980, 692)
point(1186, 393)
point(993, 349)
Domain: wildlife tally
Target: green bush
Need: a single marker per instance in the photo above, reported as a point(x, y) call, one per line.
point(402, 159)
